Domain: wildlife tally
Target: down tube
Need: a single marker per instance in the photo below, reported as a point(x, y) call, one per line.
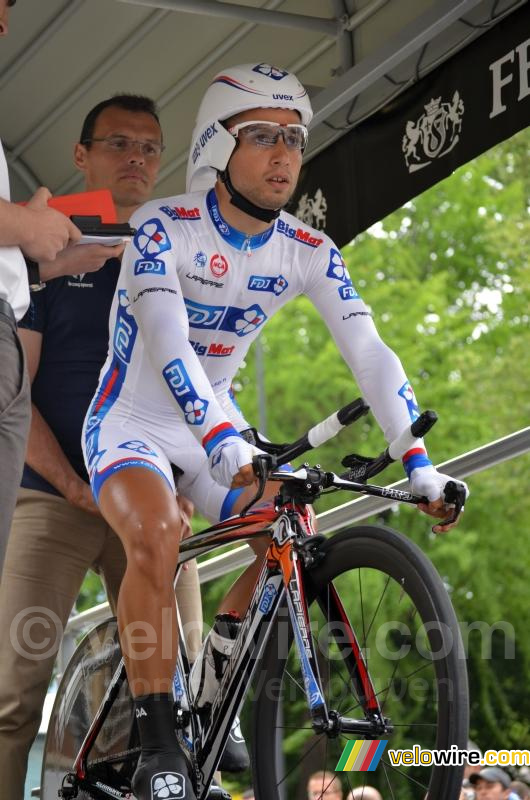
point(251, 640)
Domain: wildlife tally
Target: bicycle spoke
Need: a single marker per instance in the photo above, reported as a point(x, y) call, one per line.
point(405, 775)
point(389, 686)
point(387, 583)
point(294, 681)
point(297, 764)
point(389, 787)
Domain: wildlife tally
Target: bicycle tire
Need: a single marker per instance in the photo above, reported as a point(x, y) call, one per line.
point(283, 759)
point(80, 692)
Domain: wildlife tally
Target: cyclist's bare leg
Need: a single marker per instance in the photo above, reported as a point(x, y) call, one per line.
point(140, 506)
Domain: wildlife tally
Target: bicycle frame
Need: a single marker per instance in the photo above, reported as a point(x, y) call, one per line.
point(283, 580)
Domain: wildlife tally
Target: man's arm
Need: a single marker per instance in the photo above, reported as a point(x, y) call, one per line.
point(39, 231)
point(44, 453)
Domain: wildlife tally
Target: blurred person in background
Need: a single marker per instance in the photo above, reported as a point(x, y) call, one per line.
point(324, 786)
point(35, 231)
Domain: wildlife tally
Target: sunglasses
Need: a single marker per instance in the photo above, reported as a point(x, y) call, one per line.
point(266, 134)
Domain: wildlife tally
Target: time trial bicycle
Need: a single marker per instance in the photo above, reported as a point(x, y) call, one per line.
point(351, 637)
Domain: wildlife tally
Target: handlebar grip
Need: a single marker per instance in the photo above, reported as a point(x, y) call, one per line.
point(410, 436)
point(352, 411)
point(424, 423)
point(330, 426)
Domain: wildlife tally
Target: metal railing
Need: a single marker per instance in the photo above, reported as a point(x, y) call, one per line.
point(462, 466)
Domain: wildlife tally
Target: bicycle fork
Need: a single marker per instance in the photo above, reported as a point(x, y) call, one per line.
point(297, 579)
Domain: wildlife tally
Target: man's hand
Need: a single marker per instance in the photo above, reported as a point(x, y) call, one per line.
point(244, 477)
point(231, 462)
point(47, 231)
point(80, 495)
point(431, 483)
point(77, 259)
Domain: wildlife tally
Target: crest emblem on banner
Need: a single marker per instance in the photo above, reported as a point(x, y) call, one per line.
point(434, 134)
point(312, 210)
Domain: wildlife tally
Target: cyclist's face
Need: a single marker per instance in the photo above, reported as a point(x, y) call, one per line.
point(129, 175)
point(485, 790)
point(266, 175)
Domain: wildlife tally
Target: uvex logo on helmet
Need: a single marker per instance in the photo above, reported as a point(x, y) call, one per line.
point(231, 92)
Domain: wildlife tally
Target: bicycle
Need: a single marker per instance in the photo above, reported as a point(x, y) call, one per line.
point(359, 626)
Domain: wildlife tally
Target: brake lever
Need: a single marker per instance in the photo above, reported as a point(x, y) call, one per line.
point(261, 465)
point(455, 494)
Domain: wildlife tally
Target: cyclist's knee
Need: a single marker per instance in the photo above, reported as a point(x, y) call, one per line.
point(152, 546)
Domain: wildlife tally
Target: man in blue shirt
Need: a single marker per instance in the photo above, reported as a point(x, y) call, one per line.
point(58, 532)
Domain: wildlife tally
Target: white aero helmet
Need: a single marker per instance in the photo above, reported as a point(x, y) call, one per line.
point(232, 91)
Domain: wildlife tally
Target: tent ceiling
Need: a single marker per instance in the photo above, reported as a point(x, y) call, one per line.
point(61, 58)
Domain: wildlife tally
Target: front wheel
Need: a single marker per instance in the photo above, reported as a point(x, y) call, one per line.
point(402, 616)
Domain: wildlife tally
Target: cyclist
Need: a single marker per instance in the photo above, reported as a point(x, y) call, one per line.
point(204, 273)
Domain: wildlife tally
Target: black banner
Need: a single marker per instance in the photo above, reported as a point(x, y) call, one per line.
point(474, 100)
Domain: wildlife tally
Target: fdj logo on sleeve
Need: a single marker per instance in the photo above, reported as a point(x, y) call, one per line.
point(146, 266)
point(338, 270)
point(151, 238)
point(182, 389)
point(263, 283)
point(407, 393)
point(125, 330)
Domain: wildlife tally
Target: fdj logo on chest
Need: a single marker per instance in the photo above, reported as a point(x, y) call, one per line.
point(265, 283)
point(203, 140)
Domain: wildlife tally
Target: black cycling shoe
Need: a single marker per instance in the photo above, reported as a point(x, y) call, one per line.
point(235, 757)
point(162, 776)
